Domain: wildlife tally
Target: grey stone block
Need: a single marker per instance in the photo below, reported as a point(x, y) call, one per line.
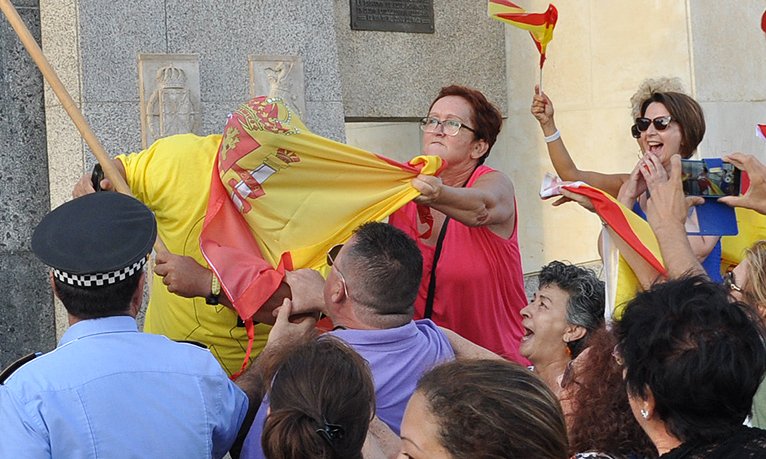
point(326, 119)
point(59, 19)
point(23, 4)
point(304, 29)
point(214, 114)
point(23, 176)
point(112, 34)
point(389, 74)
point(117, 125)
point(26, 311)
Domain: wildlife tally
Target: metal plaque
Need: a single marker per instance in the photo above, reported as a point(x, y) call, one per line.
point(413, 16)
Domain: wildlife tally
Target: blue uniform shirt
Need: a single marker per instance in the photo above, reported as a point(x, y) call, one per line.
point(110, 391)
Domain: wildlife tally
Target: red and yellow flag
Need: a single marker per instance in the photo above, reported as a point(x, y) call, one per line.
point(622, 283)
point(539, 25)
point(281, 196)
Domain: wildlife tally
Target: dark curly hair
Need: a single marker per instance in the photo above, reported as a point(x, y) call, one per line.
point(700, 353)
point(586, 297)
point(601, 419)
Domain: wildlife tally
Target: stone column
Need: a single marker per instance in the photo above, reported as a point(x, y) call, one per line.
point(26, 307)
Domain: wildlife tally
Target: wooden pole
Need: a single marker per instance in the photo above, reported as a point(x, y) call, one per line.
point(110, 170)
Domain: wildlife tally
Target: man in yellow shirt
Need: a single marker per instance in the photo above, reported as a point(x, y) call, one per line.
point(172, 177)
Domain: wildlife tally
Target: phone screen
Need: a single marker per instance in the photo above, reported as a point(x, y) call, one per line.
point(710, 178)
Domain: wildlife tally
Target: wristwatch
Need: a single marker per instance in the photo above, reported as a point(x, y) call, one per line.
point(215, 291)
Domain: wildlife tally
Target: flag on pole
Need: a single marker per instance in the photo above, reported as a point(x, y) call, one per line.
point(281, 196)
point(539, 25)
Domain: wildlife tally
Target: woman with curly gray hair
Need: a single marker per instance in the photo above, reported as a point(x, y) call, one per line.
point(567, 307)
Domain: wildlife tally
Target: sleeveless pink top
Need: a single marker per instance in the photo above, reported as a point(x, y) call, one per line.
point(479, 281)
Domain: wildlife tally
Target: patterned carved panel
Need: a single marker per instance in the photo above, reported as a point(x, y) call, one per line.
point(279, 76)
point(169, 95)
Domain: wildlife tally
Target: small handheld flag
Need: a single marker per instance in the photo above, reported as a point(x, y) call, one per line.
point(760, 131)
point(539, 25)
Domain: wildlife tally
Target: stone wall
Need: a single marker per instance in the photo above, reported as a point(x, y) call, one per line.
point(395, 75)
point(26, 306)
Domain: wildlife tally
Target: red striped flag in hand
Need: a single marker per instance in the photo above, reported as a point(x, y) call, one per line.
point(539, 25)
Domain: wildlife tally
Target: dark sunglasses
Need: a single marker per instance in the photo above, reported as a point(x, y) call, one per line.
point(730, 283)
point(332, 254)
point(660, 123)
point(635, 132)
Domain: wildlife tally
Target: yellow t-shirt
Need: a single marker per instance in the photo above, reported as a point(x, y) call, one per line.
point(172, 177)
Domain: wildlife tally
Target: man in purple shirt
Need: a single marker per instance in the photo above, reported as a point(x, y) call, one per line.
point(369, 296)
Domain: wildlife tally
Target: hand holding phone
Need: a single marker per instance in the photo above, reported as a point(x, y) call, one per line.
point(710, 178)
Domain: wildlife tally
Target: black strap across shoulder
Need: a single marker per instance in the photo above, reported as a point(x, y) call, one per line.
point(432, 282)
point(437, 253)
point(8, 371)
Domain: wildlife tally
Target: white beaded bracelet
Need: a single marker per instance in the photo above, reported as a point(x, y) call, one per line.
point(553, 137)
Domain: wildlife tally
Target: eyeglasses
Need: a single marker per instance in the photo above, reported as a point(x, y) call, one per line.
point(617, 356)
point(661, 123)
point(332, 254)
point(449, 127)
point(635, 132)
point(728, 282)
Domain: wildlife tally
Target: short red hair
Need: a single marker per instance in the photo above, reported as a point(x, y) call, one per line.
point(487, 119)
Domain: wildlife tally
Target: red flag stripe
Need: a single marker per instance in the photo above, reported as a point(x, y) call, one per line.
point(533, 19)
point(613, 215)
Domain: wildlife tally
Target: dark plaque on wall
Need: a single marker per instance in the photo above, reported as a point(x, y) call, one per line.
point(413, 16)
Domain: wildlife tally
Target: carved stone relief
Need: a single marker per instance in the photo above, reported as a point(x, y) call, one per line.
point(279, 76)
point(169, 95)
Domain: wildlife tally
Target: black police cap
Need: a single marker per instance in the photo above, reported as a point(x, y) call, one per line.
point(97, 239)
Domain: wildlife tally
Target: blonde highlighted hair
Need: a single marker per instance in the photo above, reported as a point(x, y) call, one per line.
point(754, 289)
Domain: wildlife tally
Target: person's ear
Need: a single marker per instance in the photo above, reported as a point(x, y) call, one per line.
point(53, 283)
point(648, 404)
point(138, 296)
point(573, 333)
point(338, 293)
point(480, 148)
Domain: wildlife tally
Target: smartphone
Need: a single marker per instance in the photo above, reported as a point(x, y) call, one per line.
point(710, 178)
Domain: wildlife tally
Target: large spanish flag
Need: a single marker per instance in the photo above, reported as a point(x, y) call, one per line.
point(539, 25)
point(281, 196)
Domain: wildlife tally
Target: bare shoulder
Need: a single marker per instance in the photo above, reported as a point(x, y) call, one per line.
point(496, 182)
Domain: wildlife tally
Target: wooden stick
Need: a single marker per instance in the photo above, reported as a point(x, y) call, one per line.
point(110, 171)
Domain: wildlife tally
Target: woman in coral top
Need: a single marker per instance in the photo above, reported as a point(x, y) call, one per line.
point(478, 287)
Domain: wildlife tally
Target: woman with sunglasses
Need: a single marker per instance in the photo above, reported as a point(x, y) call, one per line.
point(669, 123)
point(464, 222)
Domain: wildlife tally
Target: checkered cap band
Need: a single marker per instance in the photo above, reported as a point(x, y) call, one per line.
point(97, 280)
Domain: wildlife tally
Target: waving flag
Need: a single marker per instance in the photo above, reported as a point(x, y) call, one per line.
point(281, 196)
point(539, 25)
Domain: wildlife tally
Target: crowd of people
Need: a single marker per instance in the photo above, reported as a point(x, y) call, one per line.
point(434, 351)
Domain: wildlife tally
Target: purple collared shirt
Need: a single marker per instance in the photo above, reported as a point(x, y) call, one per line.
point(398, 357)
